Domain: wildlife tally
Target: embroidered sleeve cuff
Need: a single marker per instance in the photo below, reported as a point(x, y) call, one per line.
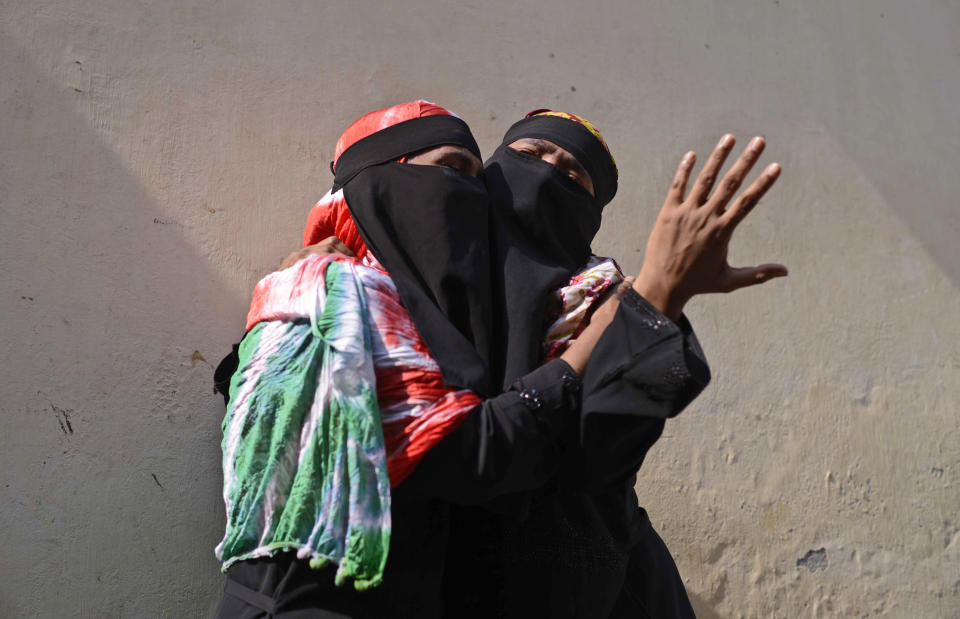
point(552, 393)
point(646, 361)
point(652, 315)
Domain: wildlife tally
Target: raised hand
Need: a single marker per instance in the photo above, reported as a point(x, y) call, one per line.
point(686, 254)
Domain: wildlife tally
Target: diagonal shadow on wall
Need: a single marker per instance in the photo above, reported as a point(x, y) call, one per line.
point(109, 428)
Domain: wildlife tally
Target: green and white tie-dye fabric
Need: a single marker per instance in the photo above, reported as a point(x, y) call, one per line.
point(303, 451)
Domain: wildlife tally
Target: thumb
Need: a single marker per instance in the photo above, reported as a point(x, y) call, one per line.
point(741, 277)
point(624, 286)
point(607, 305)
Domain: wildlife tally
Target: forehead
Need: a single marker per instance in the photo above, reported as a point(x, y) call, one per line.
point(446, 149)
point(450, 155)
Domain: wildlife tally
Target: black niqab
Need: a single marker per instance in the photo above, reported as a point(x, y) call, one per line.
point(427, 225)
point(542, 224)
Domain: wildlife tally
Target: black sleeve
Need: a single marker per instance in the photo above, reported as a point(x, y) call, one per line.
point(224, 373)
point(508, 444)
point(644, 370)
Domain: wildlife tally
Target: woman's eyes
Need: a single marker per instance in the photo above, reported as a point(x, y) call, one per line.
point(533, 151)
point(453, 164)
point(572, 175)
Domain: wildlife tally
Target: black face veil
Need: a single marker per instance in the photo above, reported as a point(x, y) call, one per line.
point(542, 225)
point(427, 225)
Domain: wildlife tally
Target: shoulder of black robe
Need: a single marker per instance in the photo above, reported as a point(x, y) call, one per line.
point(427, 225)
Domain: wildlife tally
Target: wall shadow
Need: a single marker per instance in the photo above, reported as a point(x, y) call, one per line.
point(110, 432)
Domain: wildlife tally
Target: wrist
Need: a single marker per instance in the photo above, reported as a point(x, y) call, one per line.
point(668, 299)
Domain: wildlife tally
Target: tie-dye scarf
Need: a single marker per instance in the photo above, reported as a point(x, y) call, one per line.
point(335, 398)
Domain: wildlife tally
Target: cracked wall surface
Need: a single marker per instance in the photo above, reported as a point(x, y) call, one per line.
point(158, 158)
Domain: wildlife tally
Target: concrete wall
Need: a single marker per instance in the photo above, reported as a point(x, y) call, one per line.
point(157, 158)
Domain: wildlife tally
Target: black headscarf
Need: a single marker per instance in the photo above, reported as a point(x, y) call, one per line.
point(427, 225)
point(541, 228)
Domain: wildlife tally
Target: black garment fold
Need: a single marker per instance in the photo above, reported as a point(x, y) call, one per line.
point(583, 539)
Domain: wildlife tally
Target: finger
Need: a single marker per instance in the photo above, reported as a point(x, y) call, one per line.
point(734, 178)
point(609, 303)
point(614, 293)
point(291, 259)
point(701, 189)
point(341, 247)
point(679, 185)
point(749, 198)
point(623, 288)
point(741, 277)
point(329, 245)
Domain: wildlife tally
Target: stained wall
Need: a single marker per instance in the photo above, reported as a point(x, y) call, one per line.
point(158, 158)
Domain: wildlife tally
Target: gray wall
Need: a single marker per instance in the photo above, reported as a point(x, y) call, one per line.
point(157, 158)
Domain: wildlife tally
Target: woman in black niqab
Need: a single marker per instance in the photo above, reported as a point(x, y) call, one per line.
point(427, 225)
point(542, 225)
